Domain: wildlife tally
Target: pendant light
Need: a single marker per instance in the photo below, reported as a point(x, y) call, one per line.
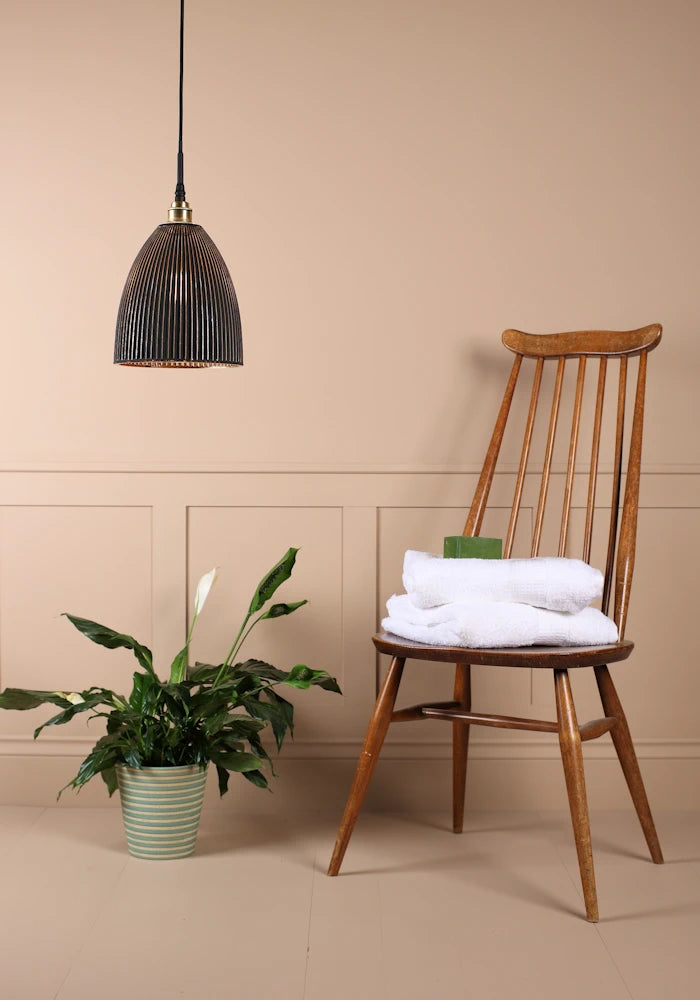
point(179, 307)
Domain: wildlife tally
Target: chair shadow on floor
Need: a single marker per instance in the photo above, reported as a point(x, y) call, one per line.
point(477, 872)
point(493, 825)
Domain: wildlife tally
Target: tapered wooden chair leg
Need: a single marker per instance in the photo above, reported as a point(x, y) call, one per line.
point(572, 758)
point(379, 723)
point(628, 759)
point(460, 745)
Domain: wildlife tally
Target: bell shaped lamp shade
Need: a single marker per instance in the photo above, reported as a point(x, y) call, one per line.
point(179, 307)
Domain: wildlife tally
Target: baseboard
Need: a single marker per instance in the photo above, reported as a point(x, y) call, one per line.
point(510, 748)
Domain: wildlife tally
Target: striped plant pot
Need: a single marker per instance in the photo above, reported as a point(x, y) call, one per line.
point(161, 808)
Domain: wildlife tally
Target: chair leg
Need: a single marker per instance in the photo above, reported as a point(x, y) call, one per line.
point(572, 758)
point(460, 745)
point(379, 723)
point(622, 741)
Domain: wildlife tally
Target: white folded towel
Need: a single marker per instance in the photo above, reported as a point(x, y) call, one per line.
point(553, 583)
point(488, 624)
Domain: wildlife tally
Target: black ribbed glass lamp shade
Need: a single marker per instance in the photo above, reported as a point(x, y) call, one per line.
point(179, 307)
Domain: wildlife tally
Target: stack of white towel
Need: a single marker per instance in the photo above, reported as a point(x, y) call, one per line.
point(482, 603)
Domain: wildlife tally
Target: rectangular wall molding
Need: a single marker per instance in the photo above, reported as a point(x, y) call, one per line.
point(125, 544)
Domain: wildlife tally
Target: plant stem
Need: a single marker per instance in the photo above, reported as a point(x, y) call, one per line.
point(232, 650)
point(247, 634)
point(238, 642)
point(195, 616)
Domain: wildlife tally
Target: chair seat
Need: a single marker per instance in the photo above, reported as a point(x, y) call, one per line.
point(551, 657)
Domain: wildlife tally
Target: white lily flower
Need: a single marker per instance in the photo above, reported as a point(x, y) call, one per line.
point(203, 588)
point(72, 696)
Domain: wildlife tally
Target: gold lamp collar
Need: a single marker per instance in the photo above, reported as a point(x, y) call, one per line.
point(180, 211)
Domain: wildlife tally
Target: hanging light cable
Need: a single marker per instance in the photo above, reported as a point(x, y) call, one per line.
point(179, 307)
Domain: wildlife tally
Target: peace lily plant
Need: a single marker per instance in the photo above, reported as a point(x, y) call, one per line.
point(167, 731)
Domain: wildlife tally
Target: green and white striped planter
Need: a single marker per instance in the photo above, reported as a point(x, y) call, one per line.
point(161, 807)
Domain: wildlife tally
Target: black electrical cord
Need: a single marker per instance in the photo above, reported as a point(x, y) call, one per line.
point(180, 186)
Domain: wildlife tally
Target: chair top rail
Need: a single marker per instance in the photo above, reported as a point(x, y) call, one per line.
point(596, 343)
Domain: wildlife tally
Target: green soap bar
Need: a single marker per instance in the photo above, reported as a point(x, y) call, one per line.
point(461, 547)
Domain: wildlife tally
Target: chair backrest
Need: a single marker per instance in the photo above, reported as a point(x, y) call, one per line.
point(558, 347)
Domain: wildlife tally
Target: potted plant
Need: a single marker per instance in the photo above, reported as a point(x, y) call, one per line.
point(160, 739)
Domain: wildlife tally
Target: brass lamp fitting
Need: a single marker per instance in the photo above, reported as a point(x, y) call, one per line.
point(180, 211)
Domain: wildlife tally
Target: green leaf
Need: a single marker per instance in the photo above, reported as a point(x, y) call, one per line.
point(132, 757)
point(277, 711)
point(91, 699)
point(115, 721)
point(272, 580)
point(202, 672)
point(327, 683)
point(178, 695)
point(22, 700)
point(144, 694)
point(208, 702)
point(279, 610)
point(236, 760)
point(104, 755)
point(303, 677)
point(56, 720)
point(226, 743)
point(241, 727)
point(256, 778)
point(223, 779)
point(258, 668)
point(238, 727)
point(257, 747)
point(178, 668)
point(104, 636)
point(286, 711)
point(109, 776)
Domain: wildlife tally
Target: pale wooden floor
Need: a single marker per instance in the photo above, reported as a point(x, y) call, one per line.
point(418, 914)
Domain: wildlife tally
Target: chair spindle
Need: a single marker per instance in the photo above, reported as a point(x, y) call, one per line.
point(571, 468)
point(628, 525)
point(617, 480)
point(522, 470)
point(483, 488)
point(546, 469)
point(595, 450)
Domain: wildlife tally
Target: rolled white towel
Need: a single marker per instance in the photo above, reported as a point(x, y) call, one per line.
point(496, 624)
point(549, 582)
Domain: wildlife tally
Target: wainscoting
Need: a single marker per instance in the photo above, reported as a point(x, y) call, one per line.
point(126, 546)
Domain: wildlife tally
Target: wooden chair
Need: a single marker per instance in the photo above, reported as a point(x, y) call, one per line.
point(605, 345)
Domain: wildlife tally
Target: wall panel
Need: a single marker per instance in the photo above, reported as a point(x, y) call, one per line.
point(65, 545)
point(94, 562)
